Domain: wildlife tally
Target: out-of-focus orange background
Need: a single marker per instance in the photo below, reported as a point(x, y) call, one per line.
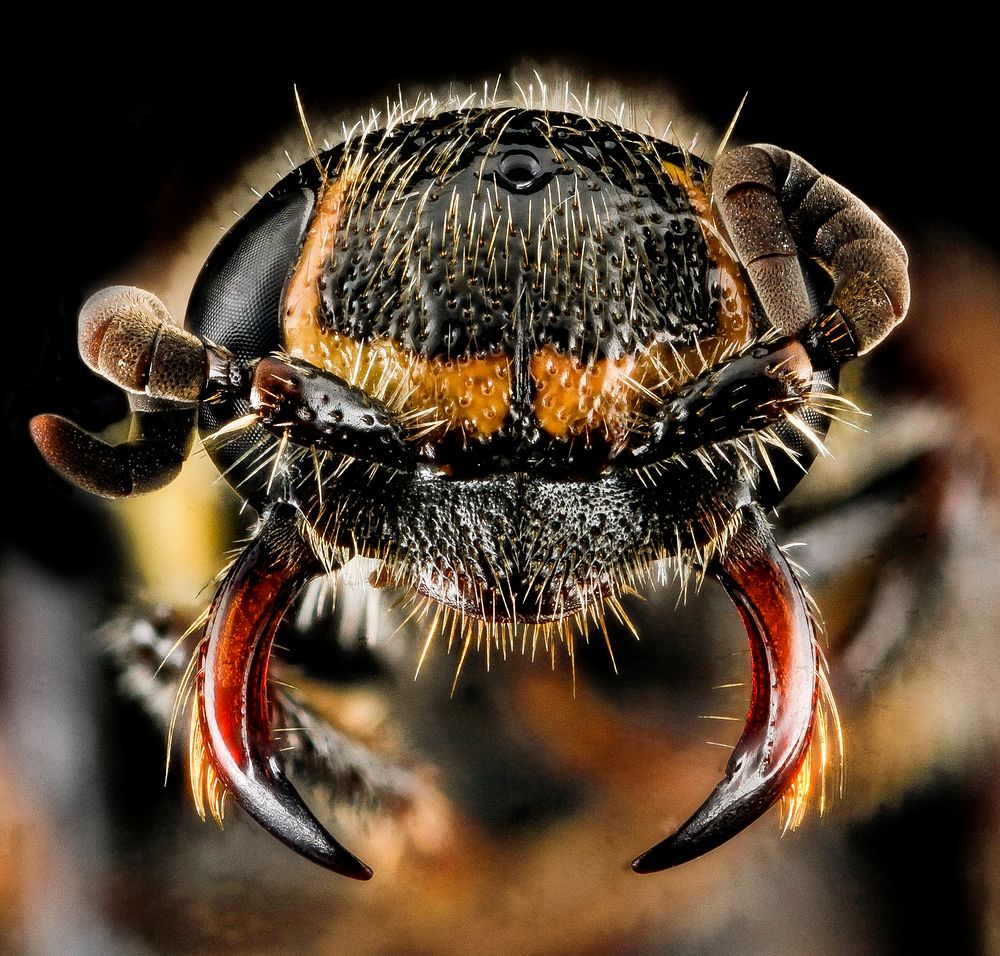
point(529, 803)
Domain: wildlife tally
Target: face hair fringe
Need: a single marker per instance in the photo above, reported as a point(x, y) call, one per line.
point(206, 786)
point(186, 682)
point(519, 92)
point(825, 754)
point(483, 632)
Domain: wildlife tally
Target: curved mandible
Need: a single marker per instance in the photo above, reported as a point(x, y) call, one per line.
point(776, 208)
point(231, 740)
point(784, 696)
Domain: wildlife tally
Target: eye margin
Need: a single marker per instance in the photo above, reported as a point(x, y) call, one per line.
point(236, 303)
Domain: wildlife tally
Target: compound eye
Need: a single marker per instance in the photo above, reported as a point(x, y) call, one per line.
point(236, 300)
point(236, 303)
point(520, 170)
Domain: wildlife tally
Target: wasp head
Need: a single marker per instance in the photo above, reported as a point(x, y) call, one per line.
point(522, 359)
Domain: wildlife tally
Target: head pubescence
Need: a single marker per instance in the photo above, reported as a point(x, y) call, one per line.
point(524, 291)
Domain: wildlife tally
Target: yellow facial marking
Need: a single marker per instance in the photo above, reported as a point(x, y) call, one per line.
point(733, 318)
point(470, 393)
point(473, 393)
point(572, 398)
point(303, 310)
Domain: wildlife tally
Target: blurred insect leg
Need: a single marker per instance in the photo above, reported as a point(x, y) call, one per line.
point(233, 706)
point(314, 408)
point(783, 699)
point(778, 208)
point(159, 442)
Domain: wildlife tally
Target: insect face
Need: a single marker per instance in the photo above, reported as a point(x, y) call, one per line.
point(517, 290)
point(519, 357)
